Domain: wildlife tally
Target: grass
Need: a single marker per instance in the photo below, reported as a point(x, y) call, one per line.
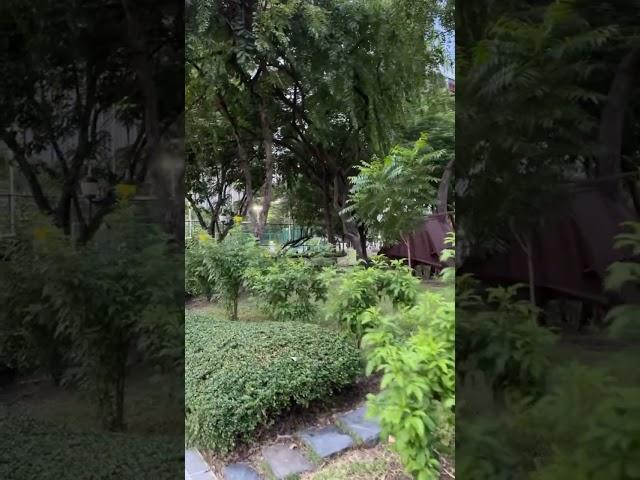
point(149, 406)
point(377, 463)
point(248, 309)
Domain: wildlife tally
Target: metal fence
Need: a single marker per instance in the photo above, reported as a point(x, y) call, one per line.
point(18, 210)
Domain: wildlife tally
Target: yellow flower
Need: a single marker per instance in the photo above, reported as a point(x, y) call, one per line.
point(124, 191)
point(203, 237)
point(41, 233)
point(237, 219)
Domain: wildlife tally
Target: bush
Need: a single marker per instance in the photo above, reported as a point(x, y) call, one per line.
point(288, 289)
point(414, 349)
point(32, 448)
point(226, 262)
point(361, 288)
point(500, 337)
point(85, 312)
point(240, 376)
point(196, 277)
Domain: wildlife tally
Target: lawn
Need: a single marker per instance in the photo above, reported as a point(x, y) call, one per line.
point(151, 406)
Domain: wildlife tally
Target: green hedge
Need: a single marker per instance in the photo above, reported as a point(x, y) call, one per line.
point(31, 448)
point(241, 375)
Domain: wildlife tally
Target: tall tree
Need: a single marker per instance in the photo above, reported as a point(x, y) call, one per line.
point(56, 94)
point(325, 83)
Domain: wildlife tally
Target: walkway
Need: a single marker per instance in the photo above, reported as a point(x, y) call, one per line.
point(283, 462)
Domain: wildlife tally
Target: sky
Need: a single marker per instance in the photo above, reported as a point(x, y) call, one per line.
point(449, 45)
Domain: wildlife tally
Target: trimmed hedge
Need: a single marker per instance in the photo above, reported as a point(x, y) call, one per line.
point(31, 448)
point(241, 375)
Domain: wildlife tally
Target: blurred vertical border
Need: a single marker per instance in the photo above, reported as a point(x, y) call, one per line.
point(91, 239)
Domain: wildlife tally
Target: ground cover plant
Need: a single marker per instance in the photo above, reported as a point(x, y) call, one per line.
point(47, 451)
point(241, 375)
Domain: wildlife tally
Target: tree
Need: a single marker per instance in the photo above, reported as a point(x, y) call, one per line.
point(56, 95)
point(317, 87)
point(541, 104)
point(391, 195)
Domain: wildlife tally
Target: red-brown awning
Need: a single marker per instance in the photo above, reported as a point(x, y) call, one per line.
point(426, 244)
point(570, 253)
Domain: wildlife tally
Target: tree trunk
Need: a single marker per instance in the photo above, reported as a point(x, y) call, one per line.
point(267, 141)
point(42, 202)
point(408, 244)
point(352, 232)
point(612, 122)
point(443, 189)
point(328, 219)
point(201, 220)
point(166, 175)
point(63, 214)
point(119, 395)
point(243, 159)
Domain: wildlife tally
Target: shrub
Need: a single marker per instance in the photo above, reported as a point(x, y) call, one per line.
point(226, 263)
point(240, 376)
point(288, 289)
point(196, 277)
point(48, 451)
point(500, 337)
point(584, 427)
point(361, 288)
point(84, 312)
point(625, 275)
point(414, 349)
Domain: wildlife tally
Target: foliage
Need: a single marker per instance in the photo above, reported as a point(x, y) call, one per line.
point(386, 194)
point(49, 451)
point(240, 376)
point(226, 262)
point(360, 288)
point(560, 435)
point(448, 254)
point(341, 97)
point(196, 278)
point(63, 92)
point(414, 348)
point(499, 336)
point(81, 311)
point(550, 432)
point(623, 274)
point(288, 288)
point(534, 88)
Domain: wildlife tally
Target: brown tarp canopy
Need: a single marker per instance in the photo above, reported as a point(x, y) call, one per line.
point(426, 244)
point(570, 254)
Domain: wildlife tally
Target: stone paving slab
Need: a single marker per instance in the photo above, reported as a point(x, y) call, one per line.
point(202, 476)
point(326, 441)
point(195, 468)
point(363, 430)
point(285, 462)
point(240, 471)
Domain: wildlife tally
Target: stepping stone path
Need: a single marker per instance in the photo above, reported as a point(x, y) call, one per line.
point(363, 430)
point(352, 428)
point(285, 462)
point(326, 441)
point(195, 468)
point(240, 471)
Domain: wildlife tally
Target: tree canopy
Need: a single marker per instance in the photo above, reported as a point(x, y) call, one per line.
point(303, 91)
